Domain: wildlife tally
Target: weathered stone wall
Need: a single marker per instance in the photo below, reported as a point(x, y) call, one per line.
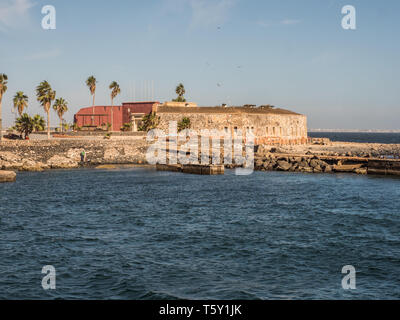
point(268, 128)
point(59, 154)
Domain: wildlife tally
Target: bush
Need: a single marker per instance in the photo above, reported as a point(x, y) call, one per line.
point(150, 121)
point(184, 124)
point(126, 127)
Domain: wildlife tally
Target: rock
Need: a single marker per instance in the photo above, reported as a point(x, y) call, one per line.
point(314, 163)
point(303, 164)
point(75, 154)
point(361, 171)
point(106, 166)
point(259, 164)
point(328, 169)
point(111, 154)
point(283, 165)
point(9, 156)
point(30, 165)
point(7, 176)
point(60, 162)
point(317, 169)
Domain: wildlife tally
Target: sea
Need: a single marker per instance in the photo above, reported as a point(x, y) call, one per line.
point(362, 137)
point(135, 233)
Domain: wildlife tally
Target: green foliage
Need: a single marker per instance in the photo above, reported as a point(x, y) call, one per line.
point(184, 124)
point(3, 84)
point(60, 106)
point(38, 123)
point(115, 89)
point(149, 121)
point(91, 83)
point(126, 127)
point(24, 125)
point(20, 102)
point(180, 91)
point(45, 95)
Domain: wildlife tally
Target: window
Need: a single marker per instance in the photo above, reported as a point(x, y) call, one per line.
point(226, 130)
point(273, 130)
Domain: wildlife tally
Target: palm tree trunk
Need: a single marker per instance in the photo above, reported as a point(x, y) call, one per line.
point(48, 124)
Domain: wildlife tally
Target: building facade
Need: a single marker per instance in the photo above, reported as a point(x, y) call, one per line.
point(269, 125)
point(100, 116)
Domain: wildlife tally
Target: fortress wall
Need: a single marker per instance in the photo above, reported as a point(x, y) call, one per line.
point(269, 128)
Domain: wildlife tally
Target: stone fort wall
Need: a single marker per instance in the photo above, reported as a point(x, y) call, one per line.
point(273, 126)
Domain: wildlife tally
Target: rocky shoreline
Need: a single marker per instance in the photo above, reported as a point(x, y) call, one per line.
point(329, 157)
point(65, 154)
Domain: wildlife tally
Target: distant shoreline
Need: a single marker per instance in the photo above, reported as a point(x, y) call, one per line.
point(352, 131)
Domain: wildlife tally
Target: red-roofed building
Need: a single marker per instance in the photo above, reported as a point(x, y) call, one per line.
point(100, 116)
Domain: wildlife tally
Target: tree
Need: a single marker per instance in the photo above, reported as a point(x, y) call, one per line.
point(115, 90)
point(180, 91)
point(38, 123)
point(45, 95)
point(3, 89)
point(24, 125)
point(60, 106)
point(20, 102)
point(184, 124)
point(91, 83)
point(149, 121)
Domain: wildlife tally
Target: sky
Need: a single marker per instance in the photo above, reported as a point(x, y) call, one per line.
point(293, 54)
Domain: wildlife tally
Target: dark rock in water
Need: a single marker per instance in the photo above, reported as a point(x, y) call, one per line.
point(7, 176)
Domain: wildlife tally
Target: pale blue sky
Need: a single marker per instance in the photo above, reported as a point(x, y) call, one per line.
point(290, 53)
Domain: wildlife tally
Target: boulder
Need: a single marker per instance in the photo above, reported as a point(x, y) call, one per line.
point(29, 165)
point(60, 162)
point(283, 165)
point(7, 176)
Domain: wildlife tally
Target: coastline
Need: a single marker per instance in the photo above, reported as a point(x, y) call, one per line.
point(321, 157)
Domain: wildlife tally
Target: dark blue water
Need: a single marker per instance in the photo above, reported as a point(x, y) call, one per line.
point(363, 137)
point(141, 234)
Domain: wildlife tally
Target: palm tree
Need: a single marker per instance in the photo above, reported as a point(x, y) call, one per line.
point(20, 102)
point(180, 91)
point(3, 89)
point(24, 125)
point(45, 95)
point(115, 90)
point(38, 123)
point(60, 106)
point(149, 121)
point(91, 83)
